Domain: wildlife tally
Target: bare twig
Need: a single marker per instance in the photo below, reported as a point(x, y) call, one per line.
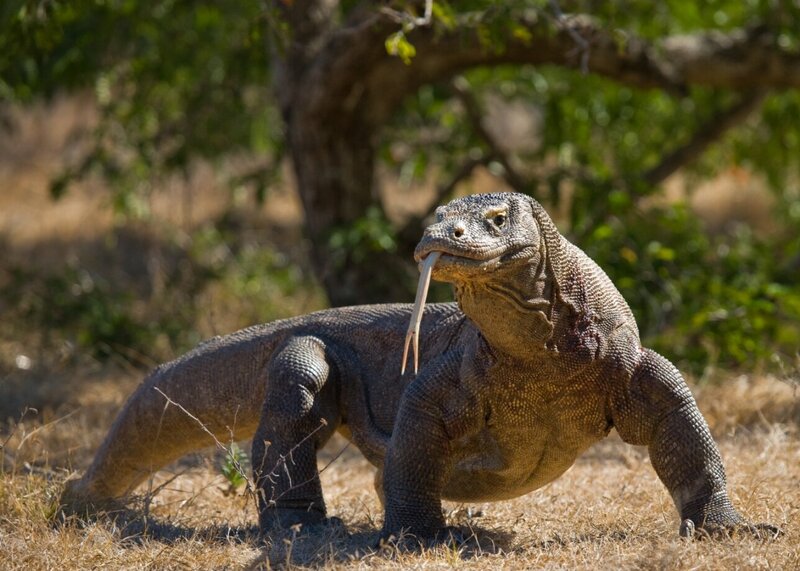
point(27, 435)
point(281, 463)
point(7, 453)
point(708, 133)
point(472, 108)
point(219, 444)
point(21, 418)
point(426, 19)
point(325, 467)
point(42, 427)
point(152, 492)
point(581, 42)
point(408, 20)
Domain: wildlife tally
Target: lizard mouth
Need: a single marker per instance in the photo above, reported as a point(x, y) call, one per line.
point(455, 265)
point(430, 257)
point(455, 262)
point(451, 256)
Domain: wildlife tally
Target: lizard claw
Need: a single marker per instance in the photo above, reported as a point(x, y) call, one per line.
point(449, 536)
point(764, 531)
point(687, 529)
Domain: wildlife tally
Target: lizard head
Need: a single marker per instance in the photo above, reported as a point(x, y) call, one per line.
point(504, 256)
point(480, 235)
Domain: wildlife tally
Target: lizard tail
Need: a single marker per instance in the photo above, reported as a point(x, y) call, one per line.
point(203, 398)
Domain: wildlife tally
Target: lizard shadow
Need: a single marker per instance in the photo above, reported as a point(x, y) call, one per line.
point(310, 548)
point(134, 527)
point(324, 548)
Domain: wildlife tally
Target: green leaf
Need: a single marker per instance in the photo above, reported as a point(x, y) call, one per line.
point(398, 45)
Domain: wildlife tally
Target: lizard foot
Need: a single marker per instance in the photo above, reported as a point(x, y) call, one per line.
point(450, 536)
point(77, 501)
point(298, 520)
point(719, 531)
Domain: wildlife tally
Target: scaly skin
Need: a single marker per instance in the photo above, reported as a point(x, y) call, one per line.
point(539, 359)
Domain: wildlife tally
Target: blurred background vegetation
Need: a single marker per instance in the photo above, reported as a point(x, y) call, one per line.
point(172, 170)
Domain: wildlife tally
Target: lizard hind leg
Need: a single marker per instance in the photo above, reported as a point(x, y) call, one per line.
point(300, 412)
point(378, 483)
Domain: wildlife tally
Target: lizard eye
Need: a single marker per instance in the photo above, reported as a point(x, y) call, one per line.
point(499, 220)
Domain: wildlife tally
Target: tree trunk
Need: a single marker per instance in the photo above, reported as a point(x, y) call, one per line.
point(334, 163)
point(331, 128)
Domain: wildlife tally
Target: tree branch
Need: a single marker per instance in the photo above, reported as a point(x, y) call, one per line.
point(740, 59)
point(409, 20)
point(709, 132)
point(472, 108)
point(353, 68)
point(581, 44)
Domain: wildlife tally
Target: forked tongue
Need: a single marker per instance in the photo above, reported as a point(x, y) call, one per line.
point(419, 305)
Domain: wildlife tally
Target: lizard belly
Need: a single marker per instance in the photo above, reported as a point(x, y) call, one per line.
point(511, 459)
point(498, 474)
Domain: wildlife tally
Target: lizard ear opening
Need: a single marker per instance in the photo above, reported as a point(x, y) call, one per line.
point(544, 227)
point(557, 252)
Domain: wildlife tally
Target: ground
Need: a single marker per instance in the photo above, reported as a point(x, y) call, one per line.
point(608, 510)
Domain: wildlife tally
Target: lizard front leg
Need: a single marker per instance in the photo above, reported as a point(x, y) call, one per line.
point(657, 409)
point(299, 414)
point(435, 410)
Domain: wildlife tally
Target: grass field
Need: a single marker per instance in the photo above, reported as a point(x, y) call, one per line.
point(608, 511)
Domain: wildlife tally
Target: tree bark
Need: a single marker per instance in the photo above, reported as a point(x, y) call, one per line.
point(334, 163)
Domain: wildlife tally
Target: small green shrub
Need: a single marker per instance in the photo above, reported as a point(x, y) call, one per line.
point(235, 465)
point(215, 283)
point(83, 307)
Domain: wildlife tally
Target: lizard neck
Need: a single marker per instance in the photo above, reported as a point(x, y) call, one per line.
point(513, 311)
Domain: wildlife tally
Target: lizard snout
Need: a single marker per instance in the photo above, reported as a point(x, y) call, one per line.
point(446, 236)
point(458, 230)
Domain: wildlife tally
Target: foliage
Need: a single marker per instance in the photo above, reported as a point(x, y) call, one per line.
point(708, 301)
point(87, 311)
point(177, 82)
point(366, 236)
point(174, 82)
point(398, 45)
point(252, 281)
point(730, 299)
point(112, 312)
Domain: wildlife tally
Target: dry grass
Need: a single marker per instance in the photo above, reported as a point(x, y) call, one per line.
point(609, 510)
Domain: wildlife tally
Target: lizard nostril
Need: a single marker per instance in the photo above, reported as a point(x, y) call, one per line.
point(458, 230)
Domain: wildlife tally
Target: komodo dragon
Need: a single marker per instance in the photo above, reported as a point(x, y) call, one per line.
point(539, 359)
